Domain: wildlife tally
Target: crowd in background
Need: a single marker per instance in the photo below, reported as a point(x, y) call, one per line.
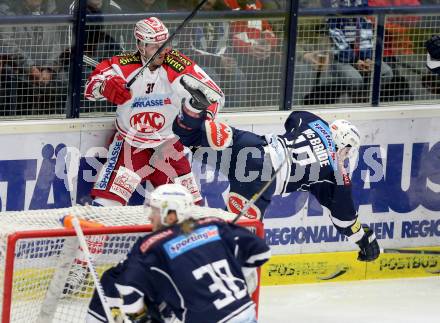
point(244, 57)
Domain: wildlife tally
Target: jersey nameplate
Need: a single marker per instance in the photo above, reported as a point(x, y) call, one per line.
point(323, 145)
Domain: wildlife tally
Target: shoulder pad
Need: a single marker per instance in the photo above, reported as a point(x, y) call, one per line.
point(177, 61)
point(153, 238)
point(210, 220)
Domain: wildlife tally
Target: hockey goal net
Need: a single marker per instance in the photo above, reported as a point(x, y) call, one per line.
point(43, 273)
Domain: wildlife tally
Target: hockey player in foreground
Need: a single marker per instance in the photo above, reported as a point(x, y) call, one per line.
point(194, 270)
point(316, 165)
point(144, 146)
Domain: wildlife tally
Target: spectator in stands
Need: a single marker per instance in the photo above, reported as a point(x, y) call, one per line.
point(29, 55)
point(275, 4)
point(352, 38)
point(397, 47)
point(433, 48)
point(313, 79)
point(101, 42)
point(255, 47)
point(182, 5)
point(208, 43)
point(309, 3)
point(99, 6)
point(431, 81)
point(314, 82)
point(142, 6)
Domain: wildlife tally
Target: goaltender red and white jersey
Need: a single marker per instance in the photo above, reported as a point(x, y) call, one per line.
point(146, 119)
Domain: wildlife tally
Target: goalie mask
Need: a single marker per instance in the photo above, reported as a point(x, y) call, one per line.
point(170, 197)
point(345, 134)
point(149, 31)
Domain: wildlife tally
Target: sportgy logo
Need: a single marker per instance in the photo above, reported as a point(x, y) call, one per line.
point(184, 243)
point(147, 122)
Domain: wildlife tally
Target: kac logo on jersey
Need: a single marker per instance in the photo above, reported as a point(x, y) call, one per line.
point(184, 243)
point(147, 122)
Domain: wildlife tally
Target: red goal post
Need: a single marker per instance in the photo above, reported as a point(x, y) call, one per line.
point(43, 275)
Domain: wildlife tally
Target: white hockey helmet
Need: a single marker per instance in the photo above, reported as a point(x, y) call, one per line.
point(345, 134)
point(150, 31)
point(171, 197)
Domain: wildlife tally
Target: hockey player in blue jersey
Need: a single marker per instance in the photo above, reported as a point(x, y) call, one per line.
point(317, 153)
point(194, 270)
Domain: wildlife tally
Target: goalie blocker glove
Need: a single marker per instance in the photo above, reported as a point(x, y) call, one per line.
point(202, 95)
point(114, 90)
point(368, 244)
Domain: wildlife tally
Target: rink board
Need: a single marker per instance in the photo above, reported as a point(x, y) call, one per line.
point(343, 266)
point(396, 182)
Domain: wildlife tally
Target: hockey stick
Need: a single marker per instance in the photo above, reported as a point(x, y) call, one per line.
point(413, 251)
point(89, 61)
point(257, 195)
point(152, 58)
point(92, 269)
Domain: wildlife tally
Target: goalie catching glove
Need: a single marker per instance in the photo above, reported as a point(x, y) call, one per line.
point(114, 90)
point(202, 95)
point(368, 244)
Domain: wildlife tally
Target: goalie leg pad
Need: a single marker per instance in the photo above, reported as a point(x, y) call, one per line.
point(219, 135)
point(189, 182)
point(125, 183)
point(114, 180)
point(236, 202)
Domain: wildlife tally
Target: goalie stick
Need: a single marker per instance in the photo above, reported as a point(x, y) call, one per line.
point(92, 269)
point(89, 61)
point(178, 29)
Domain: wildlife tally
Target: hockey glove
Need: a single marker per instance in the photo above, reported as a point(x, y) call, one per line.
point(368, 244)
point(114, 90)
point(202, 95)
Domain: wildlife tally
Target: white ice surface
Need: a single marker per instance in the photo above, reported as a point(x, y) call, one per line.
point(410, 300)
